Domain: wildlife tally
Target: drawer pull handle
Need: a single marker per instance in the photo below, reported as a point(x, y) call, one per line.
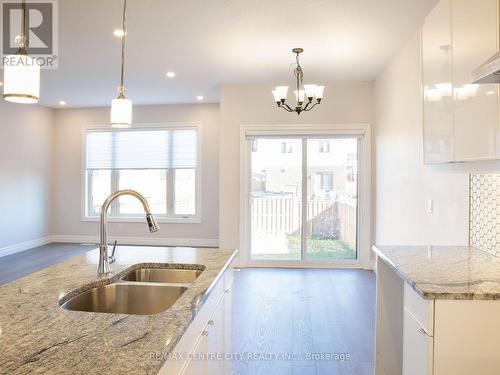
point(204, 333)
point(211, 322)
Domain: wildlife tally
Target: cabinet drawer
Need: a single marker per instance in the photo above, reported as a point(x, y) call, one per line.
point(190, 338)
point(417, 348)
point(422, 309)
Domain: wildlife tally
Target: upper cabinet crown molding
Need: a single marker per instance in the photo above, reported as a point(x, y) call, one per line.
point(461, 120)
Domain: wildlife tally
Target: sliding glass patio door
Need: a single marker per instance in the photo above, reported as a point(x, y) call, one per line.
point(303, 198)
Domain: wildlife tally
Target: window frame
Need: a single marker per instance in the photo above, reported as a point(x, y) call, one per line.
point(131, 218)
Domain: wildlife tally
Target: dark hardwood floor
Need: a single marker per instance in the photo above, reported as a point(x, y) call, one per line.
point(17, 265)
point(279, 314)
point(297, 311)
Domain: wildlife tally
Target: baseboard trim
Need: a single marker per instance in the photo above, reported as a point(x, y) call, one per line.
point(17, 248)
point(146, 241)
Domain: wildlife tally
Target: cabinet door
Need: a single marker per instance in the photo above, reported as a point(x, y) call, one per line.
point(228, 329)
point(197, 366)
point(475, 34)
point(437, 84)
point(417, 347)
point(215, 341)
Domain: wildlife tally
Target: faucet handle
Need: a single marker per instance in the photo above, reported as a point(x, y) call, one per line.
point(112, 258)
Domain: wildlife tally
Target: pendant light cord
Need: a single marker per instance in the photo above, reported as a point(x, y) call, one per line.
point(24, 42)
point(122, 75)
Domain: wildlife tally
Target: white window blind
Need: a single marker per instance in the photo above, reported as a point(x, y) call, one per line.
point(142, 149)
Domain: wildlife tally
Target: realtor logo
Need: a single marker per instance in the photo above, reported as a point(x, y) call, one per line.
point(42, 26)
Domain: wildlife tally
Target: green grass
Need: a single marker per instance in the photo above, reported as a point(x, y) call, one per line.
point(317, 249)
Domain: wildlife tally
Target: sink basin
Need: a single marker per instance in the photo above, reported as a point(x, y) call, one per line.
point(126, 299)
point(163, 275)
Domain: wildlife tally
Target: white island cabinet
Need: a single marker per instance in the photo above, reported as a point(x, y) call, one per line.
point(438, 311)
point(461, 121)
point(201, 349)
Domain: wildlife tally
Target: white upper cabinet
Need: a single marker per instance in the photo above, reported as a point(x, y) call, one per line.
point(437, 82)
point(475, 31)
point(460, 118)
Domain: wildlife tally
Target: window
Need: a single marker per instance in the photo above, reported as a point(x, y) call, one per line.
point(324, 147)
point(286, 148)
point(325, 181)
point(160, 163)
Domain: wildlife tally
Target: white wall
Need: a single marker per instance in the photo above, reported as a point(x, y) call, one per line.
point(253, 104)
point(403, 183)
point(25, 173)
point(66, 218)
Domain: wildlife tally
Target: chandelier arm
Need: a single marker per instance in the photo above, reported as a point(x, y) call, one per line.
point(286, 107)
point(306, 106)
point(311, 107)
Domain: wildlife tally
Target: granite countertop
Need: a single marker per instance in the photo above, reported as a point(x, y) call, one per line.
point(38, 336)
point(445, 272)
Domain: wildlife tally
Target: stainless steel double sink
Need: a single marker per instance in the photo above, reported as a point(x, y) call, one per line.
point(142, 291)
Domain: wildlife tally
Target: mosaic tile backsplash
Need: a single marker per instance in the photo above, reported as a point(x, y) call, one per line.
point(484, 213)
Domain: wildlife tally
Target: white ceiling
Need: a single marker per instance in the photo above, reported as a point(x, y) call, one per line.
point(211, 42)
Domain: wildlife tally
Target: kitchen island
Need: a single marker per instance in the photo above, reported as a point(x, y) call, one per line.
point(438, 311)
point(38, 336)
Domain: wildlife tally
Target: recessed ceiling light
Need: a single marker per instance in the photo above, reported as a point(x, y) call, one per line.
point(199, 97)
point(62, 102)
point(119, 33)
point(170, 74)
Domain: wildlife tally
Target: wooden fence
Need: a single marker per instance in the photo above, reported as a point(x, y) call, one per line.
point(326, 219)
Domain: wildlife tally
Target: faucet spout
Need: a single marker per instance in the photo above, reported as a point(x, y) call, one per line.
point(103, 268)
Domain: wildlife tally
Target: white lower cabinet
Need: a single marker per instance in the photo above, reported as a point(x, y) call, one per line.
point(418, 330)
point(202, 348)
point(450, 337)
point(215, 340)
point(418, 336)
point(196, 366)
point(417, 347)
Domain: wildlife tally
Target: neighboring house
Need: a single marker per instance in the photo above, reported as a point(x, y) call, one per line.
point(331, 175)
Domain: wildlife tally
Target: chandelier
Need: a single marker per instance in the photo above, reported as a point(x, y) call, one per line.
point(306, 94)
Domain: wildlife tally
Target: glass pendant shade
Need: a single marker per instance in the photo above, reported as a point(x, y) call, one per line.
point(300, 95)
point(121, 113)
point(281, 92)
point(310, 90)
point(276, 96)
point(319, 92)
point(21, 82)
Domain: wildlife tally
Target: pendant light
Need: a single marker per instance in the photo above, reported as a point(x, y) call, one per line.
point(121, 107)
point(21, 82)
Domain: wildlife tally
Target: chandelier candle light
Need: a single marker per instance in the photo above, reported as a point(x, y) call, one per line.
point(21, 83)
point(310, 91)
point(121, 107)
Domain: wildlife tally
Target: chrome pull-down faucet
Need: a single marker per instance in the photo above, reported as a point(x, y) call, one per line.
point(103, 268)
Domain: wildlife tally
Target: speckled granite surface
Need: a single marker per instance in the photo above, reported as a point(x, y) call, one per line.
point(37, 336)
point(446, 272)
